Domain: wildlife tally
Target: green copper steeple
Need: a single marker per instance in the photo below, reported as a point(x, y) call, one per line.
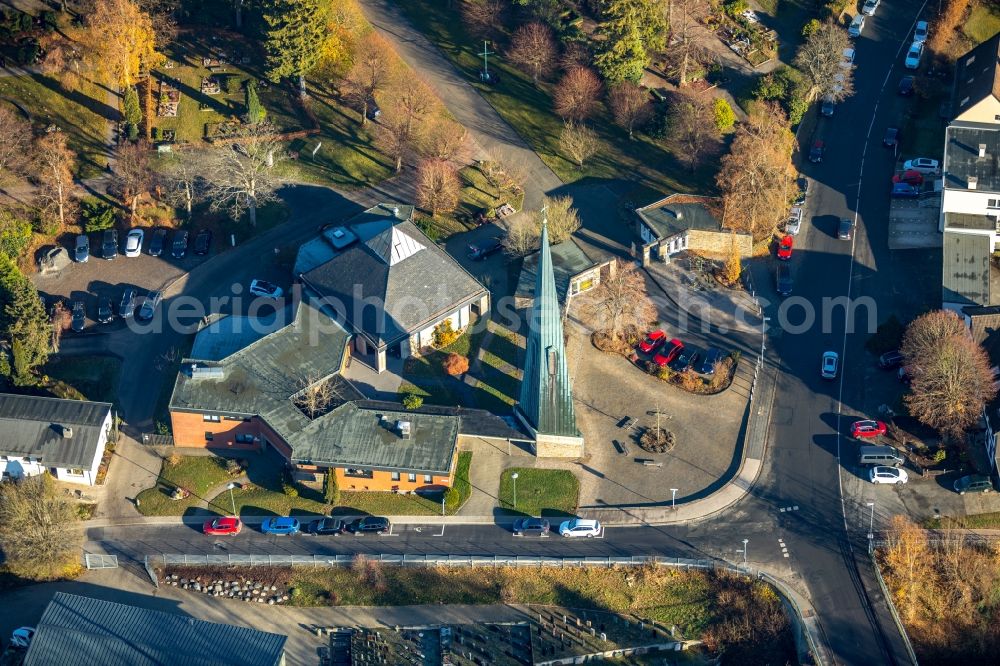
point(546, 398)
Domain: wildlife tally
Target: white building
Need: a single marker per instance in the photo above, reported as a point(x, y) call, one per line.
point(63, 437)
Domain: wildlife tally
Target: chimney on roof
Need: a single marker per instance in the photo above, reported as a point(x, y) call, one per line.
point(982, 150)
point(973, 181)
point(67, 432)
point(404, 429)
point(395, 211)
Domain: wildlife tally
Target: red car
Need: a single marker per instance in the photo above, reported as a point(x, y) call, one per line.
point(910, 177)
point(227, 525)
point(652, 342)
point(867, 429)
point(785, 247)
point(668, 353)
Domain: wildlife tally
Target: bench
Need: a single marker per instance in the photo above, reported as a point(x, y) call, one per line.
point(648, 462)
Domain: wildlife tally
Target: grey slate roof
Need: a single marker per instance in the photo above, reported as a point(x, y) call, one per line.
point(679, 213)
point(977, 75)
point(961, 156)
point(966, 269)
point(546, 396)
point(227, 335)
point(80, 631)
point(32, 426)
point(387, 290)
point(568, 261)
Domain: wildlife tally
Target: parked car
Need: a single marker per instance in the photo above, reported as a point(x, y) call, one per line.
point(847, 58)
point(828, 368)
point(845, 230)
point(370, 525)
point(668, 352)
point(109, 247)
point(79, 316)
point(973, 483)
point(816, 152)
point(826, 107)
point(685, 359)
point(223, 526)
point(157, 242)
point(879, 474)
point(265, 289)
point(81, 250)
point(891, 137)
point(867, 429)
point(794, 223)
point(373, 111)
point(924, 165)
point(920, 32)
point(326, 527)
point(709, 360)
point(126, 306)
point(203, 242)
point(21, 637)
point(913, 56)
point(580, 527)
point(538, 527)
point(910, 177)
point(783, 280)
point(105, 311)
point(652, 341)
point(857, 26)
point(869, 7)
point(483, 250)
point(905, 88)
point(785, 247)
point(283, 525)
point(179, 246)
point(133, 243)
point(904, 191)
point(149, 306)
point(803, 185)
point(890, 360)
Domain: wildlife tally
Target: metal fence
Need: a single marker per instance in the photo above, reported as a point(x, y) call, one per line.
point(95, 561)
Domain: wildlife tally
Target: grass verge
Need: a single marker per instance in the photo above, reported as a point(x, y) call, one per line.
point(972, 521)
point(540, 492)
point(983, 22)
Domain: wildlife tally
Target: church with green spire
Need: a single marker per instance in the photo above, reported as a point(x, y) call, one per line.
point(546, 400)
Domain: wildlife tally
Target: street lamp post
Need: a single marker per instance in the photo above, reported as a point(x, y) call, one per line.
point(763, 332)
point(745, 542)
point(513, 478)
point(231, 486)
point(673, 499)
point(871, 522)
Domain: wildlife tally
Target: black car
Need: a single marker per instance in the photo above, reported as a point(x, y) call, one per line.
point(370, 525)
point(708, 361)
point(816, 152)
point(685, 359)
point(109, 247)
point(105, 312)
point(845, 229)
point(483, 250)
point(126, 306)
point(149, 306)
point(157, 242)
point(202, 242)
point(326, 527)
point(826, 108)
point(783, 279)
point(79, 316)
point(538, 527)
point(803, 185)
point(906, 86)
point(891, 138)
point(890, 359)
point(179, 247)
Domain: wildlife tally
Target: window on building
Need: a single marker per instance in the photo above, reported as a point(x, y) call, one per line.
point(212, 418)
point(237, 418)
point(76, 471)
point(395, 476)
point(427, 478)
point(358, 473)
point(26, 459)
point(3, 458)
point(244, 439)
point(209, 436)
point(412, 478)
point(993, 203)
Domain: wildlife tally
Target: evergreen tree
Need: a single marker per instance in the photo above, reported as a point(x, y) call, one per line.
point(255, 110)
point(296, 37)
point(131, 108)
point(631, 30)
point(23, 323)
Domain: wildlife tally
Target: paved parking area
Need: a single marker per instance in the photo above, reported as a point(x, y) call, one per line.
point(913, 224)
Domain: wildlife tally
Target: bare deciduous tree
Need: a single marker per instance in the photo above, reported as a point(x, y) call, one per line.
point(521, 237)
point(561, 217)
point(482, 17)
point(316, 396)
point(132, 174)
point(621, 301)
point(369, 73)
point(241, 176)
point(577, 94)
point(683, 50)
point(445, 139)
point(438, 186)
point(950, 375)
point(821, 61)
point(505, 172)
point(629, 105)
point(55, 163)
point(413, 99)
point(533, 49)
point(15, 141)
point(693, 134)
point(38, 531)
point(578, 142)
point(395, 137)
point(183, 180)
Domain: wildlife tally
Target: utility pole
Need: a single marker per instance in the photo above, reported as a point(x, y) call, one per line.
point(485, 75)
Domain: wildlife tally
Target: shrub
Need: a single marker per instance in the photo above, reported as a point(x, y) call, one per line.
point(162, 428)
point(174, 459)
point(939, 456)
point(233, 467)
point(451, 498)
point(725, 118)
point(288, 486)
point(810, 27)
point(157, 134)
point(97, 215)
point(456, 364)
point(444, 334)
point(735, 8)
point(412, 401)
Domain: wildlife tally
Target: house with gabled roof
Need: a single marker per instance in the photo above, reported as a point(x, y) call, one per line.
point(682, 222)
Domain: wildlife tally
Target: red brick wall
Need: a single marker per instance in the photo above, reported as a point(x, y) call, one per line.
point(189, 430)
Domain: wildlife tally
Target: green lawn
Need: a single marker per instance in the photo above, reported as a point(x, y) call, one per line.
point(540, 492)
point(983, 22)
point(84, 377)
point(974, 521)
point(498, 380)
point(82, 112)
point(198, 474)
point(425, 376)
point(923, 133)
point(527, 107)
